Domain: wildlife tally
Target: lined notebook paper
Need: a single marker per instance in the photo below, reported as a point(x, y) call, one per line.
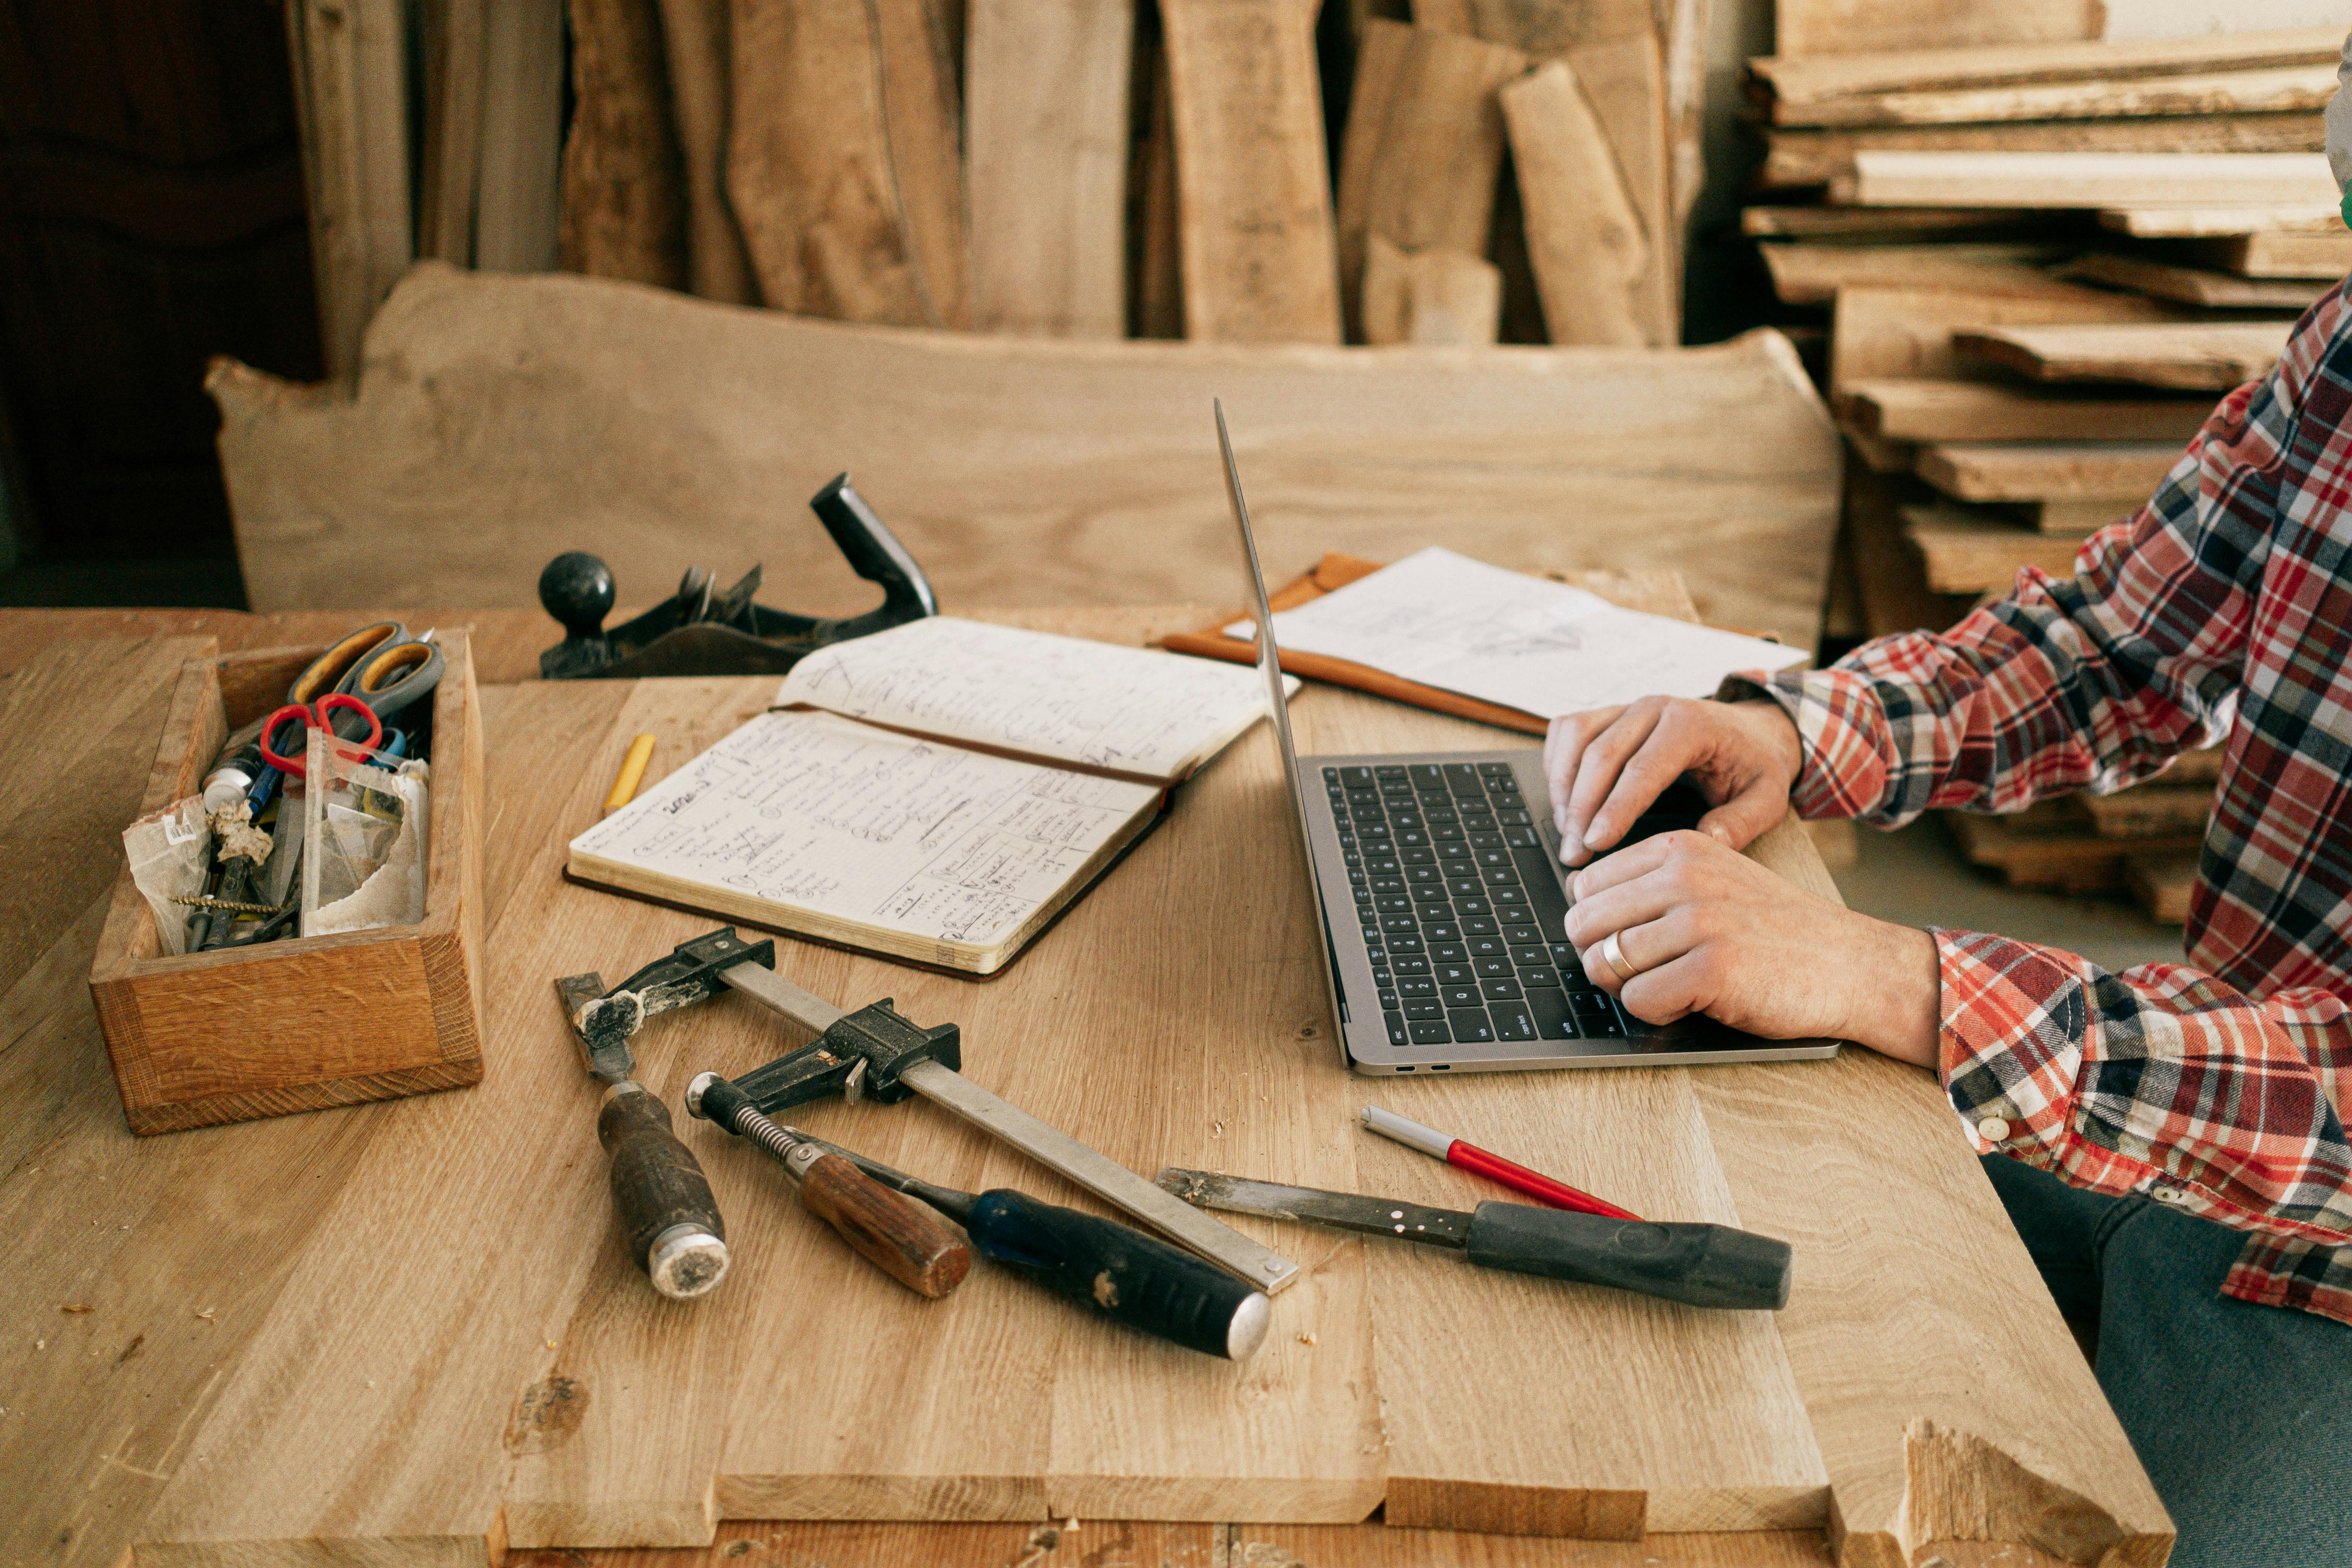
point(1127, 710)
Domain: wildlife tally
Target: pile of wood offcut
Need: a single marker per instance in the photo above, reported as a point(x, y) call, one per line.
point(2033, 269)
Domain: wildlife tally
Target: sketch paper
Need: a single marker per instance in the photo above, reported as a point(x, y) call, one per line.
point(863, 828)
point(1125, 709)
point(1543, 647)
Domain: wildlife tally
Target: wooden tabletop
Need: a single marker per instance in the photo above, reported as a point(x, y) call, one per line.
point(406, 1330)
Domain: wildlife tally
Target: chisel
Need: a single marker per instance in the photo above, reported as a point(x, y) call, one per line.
point(903, 1239)
point(1104, 1267)
point(1699, 1264)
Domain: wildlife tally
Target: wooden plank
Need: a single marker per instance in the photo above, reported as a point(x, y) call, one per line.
point(2076, 518)
point(1906, 333)
point(694, 42)
point(1812, 274)
point(623, 182)
point(1888, 573)
point(1829, 27)
point(2194, 286)
point(2277, 254)
point(1624, 80)
point(2096, 180)
point(1801, 76)
point(519, 208)
point(1423, 146)
point(1544, 29)
point(2274, 90)
point(351, 72)
point(1894, 225)
point(456, 82)
point(1992, 411)
point(837, 163)
point(2084, 864)
point(1253, 187)
point(1594, 259)
point(1801, 156)
point(2163, 884)
point(2170, 223)
point(2205, 355)
point(692, 430)
point(1430, 297)
point(1963, 554)
point(2046, 470)
point(2151, 811)
point(1157, 309)
point(1046, 85)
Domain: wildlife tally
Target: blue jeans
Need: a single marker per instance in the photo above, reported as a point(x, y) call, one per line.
point(2241, 1415)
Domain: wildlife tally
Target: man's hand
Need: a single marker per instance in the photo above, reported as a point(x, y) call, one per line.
point(1708, 930)
point(1606, 766)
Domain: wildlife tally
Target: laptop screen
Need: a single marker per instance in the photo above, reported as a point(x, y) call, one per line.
point(1269, 658)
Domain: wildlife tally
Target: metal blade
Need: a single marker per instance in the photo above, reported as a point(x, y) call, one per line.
point(770, 989)
point(606, 1055)
point(1342, 1211)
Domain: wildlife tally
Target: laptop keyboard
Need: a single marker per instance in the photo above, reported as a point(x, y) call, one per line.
point(1460, 907)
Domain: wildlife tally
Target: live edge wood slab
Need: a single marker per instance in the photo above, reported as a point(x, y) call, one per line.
point(404, 1332)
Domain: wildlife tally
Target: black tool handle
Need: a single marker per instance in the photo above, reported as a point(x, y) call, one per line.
point(1701, 1265)
point(1120, 1273)
point(661, 1195)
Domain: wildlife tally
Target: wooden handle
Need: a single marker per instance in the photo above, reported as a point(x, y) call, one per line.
point(906, 1240)
point(659, 1190)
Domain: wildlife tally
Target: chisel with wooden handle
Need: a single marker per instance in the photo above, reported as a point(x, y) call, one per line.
point(1699, 1264)
point(667, 1215)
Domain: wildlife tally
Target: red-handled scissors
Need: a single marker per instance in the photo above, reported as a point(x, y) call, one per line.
point(308, 715)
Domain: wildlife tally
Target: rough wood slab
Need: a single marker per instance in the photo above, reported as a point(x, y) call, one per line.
point(2092, 180)
point(2032, 470)
point(1891, 581)
point(1812, 274)
point(1429, 297)
point(1045, 91)
point(2270, 90)
point(1595, 265)
point(1896, 226)
point(1800, 155)
point(1423, 146)
point(519, 208)
point(2163, 884)
point(1809, 27)
point(2164, 223)
point(2205, 356)
point(2195, 285)
point(351, 94)
point(1908, 332)
point(1254, 186)
point(624, 178)
point(1797, 75)
point(2278, 253)
point(1992, 411)
point(1074, 472)
point(1963, 554)
point(694, 45)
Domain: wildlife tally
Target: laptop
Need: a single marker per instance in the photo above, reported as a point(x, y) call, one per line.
point(1443, 903)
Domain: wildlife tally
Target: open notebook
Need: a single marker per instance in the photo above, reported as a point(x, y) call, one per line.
point(935, 792)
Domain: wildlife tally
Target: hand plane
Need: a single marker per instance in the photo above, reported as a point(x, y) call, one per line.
point(700, 631)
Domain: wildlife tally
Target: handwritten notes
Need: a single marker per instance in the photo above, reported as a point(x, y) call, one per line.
point(1543, 647)
point(1124, 710)
point(866, 831)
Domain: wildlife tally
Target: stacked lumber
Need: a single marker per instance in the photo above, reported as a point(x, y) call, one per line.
point(2144, 839)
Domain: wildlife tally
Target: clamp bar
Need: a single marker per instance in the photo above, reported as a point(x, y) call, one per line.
point(1097, 1172)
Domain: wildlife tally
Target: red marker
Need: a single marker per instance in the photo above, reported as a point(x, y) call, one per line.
point(1493, 1167)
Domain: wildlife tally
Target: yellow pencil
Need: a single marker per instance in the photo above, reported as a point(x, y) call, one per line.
point(633, 773)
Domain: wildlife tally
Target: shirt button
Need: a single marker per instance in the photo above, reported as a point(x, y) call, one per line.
point(2165, 1195)
point(1992, 1130)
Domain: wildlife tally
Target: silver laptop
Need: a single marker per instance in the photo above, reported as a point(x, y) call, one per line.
point(1438, 880)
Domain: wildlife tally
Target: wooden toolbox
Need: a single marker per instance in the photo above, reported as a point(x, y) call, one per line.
point(303, 1022)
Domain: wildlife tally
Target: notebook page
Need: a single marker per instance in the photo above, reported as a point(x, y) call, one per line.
point(1128, 709)
point(1502, 636)
point(869, 828)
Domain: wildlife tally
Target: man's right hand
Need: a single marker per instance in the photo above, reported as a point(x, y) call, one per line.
point(1606, 765)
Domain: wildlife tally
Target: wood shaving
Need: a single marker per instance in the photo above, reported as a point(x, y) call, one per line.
point(208, 1315)
point(1306, 1339)
point(78, 1307)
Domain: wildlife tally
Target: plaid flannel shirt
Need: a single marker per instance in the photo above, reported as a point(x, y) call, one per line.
point(2221, 608)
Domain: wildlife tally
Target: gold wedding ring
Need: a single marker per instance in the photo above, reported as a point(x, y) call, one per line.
point(1614, 956)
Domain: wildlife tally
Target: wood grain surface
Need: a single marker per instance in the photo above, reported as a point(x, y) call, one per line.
point(695, 47)
point(1595, 262)
point(2300, 217)
point(2047, 471)
point(1993, 411)
point(623, 180)
point(2305, 88)
point(2278, 253)
point(1965, 553)
point(1806, 28)
point(1074, 472)
point(2208, 356)
point(541, 1364)
point(1253, 188)
point(1429, 297)
point(2196, 286)
point(1807, 155)
point(1810, 75)
point(2093, 180)
point(1906, 333)
point(1812, 274)
point(1046, 114)
point(1423, 146)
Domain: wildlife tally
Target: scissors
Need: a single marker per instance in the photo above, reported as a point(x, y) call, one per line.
point(370, 674)
point(305, 715)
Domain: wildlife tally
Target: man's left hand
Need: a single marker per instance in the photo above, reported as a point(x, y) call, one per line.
point(1706, 929)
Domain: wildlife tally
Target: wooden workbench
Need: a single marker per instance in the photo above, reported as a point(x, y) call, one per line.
point(405, 1333)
